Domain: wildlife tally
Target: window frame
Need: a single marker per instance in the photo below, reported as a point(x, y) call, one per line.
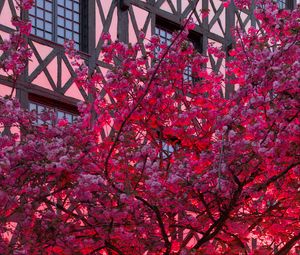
point(79, 35)
point(285, 4)
point(53, 105)
point(194, 37)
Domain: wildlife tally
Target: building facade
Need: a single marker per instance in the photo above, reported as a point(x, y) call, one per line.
point(49, 78)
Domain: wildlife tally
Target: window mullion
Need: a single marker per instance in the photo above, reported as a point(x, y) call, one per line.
point(54, 10)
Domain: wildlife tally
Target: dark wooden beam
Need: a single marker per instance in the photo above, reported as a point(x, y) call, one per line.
point(123, 24)
point(175, 18)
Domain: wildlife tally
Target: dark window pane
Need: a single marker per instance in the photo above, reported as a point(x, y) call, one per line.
point(76, 27)
point(76, 37)
point(32, 21)
point(76, 7)
point(60, 115)
point(69, 4)
point(39, 33)
point(68, 117)
point(40, 23)
point(41, 109)
point(76, 17)
point(281, 4)
point(48, 27)
point(69, 24)
point(60, 21)
point(68, 34)
point(48, 16)
point(32, 107)
point(60, 11)
point(40, 3)
point(60, 40)
point(48, 6)
point(40, 13)
point(32, 11)
point(68, 14)
point(60, 31)
point(48, 36)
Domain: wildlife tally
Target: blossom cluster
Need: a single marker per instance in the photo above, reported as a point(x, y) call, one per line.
point(15, 50)
point(159, 164)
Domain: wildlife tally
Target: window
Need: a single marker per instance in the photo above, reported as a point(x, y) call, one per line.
point(58, 113)
point(164, 30)
point(187, 74)
point(167, 150)
point(57, 20)
point(281, 4)
point(59, 109)
point(164, 34)
point(285, 4)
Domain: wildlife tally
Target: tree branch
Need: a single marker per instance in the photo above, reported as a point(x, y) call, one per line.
point(160, 223)
point(276, 177)
point(289, 245)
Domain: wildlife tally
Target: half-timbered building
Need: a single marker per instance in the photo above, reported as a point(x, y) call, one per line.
point(48, 81)
point(49, 78)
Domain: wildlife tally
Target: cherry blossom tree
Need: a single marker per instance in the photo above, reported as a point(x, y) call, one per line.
point(179, 169)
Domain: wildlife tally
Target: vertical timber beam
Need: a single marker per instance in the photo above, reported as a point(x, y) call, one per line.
point(1, 5)
point(91, 38)
point(205, 27)
point(252, 8)
point(229, 19)
point(21, 91)
point(153, 17)
point(179, 6)
point(86, 27)
point(123, 34)
point(291, 4)
point(22, 95)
